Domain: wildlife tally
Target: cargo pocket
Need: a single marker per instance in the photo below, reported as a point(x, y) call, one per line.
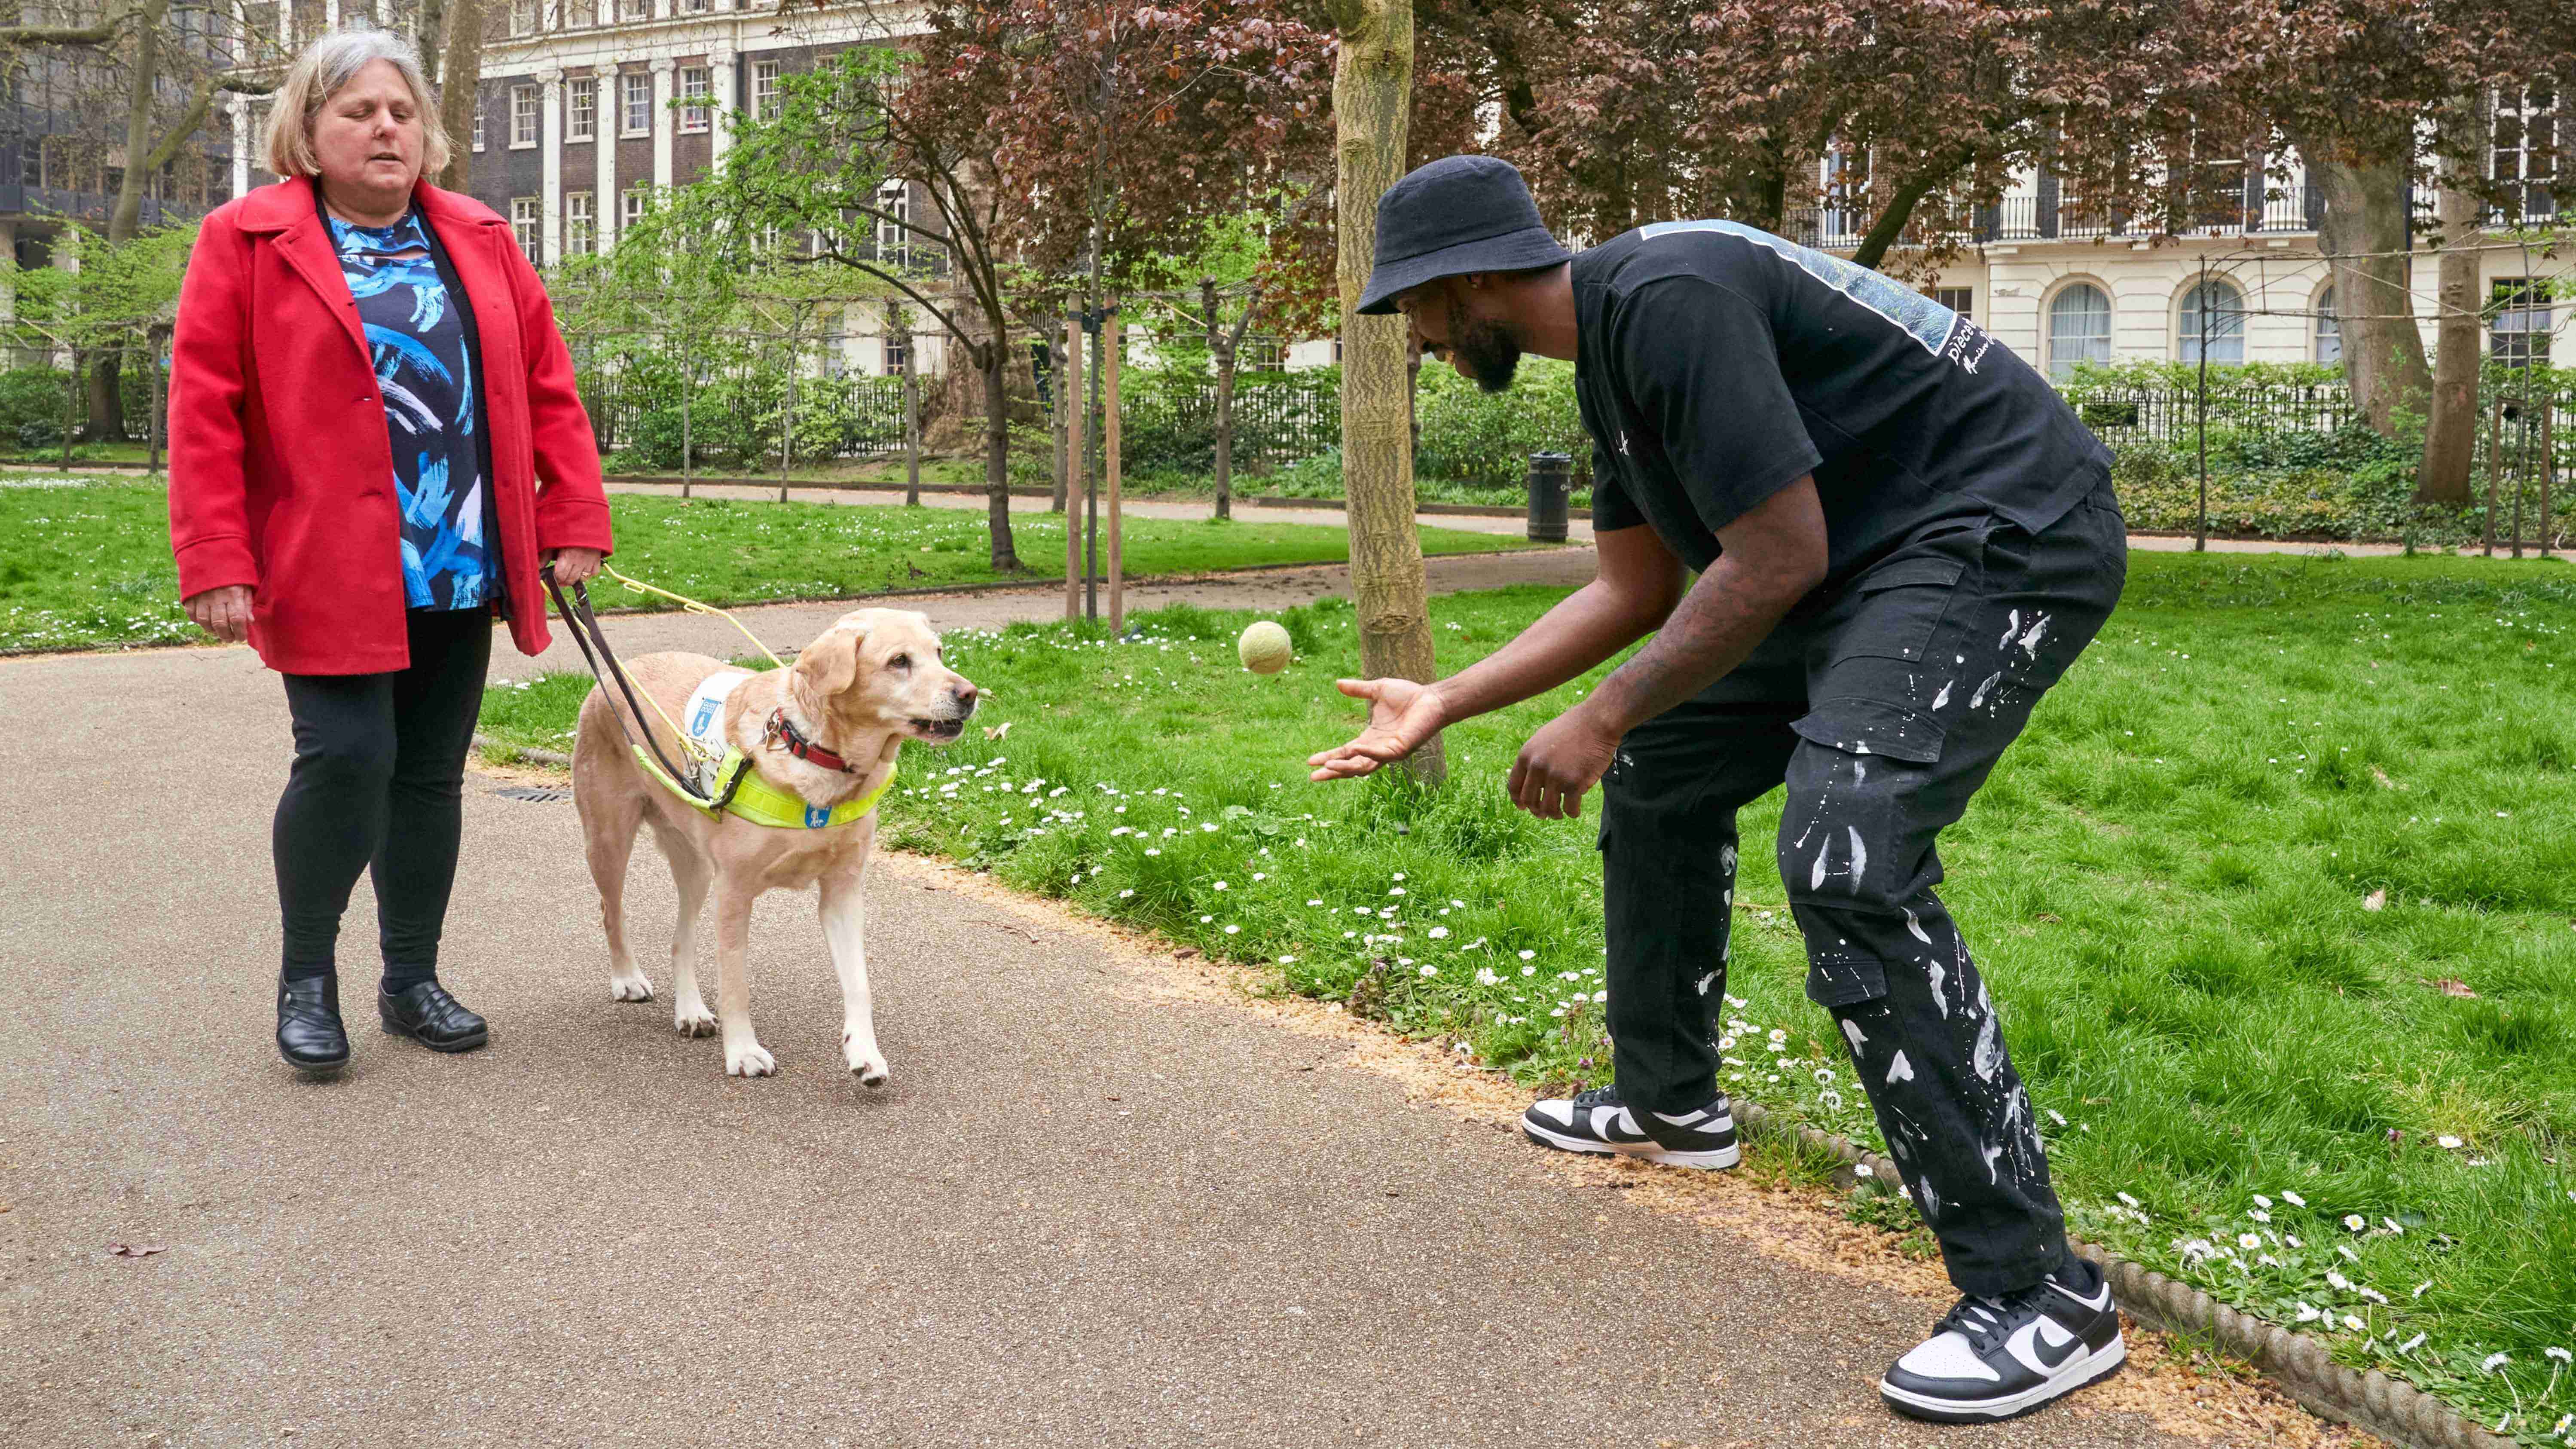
point(1899, 605)
point(1846, 982)
point(1858, 726)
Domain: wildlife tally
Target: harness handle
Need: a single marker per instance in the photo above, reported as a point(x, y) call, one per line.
point(586, 633)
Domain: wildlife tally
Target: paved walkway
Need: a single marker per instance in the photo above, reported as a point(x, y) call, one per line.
point(1578, 530)
point(1104, 1201)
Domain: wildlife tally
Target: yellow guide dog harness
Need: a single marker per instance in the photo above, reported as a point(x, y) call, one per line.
point(724, 780)
point(719, 776)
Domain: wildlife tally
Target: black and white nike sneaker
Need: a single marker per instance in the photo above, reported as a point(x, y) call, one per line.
point(1597, 1121)
point(1991, 1358)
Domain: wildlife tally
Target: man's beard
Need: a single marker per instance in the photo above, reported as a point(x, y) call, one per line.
point(1491, 349)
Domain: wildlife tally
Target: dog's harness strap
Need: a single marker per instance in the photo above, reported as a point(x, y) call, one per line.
point(587, 636)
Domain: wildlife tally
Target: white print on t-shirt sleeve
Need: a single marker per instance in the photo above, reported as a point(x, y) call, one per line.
point(1928, 322)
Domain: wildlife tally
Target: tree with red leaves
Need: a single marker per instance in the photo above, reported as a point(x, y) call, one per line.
point(1051, 138)
point(2378, 96)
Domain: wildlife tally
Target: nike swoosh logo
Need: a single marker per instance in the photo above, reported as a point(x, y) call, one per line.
point(2100, 1301)
point(2041, 1348)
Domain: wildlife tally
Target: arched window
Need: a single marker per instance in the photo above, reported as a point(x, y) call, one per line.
point(2329, 332)
point(2079, 329)
point(2225, 322)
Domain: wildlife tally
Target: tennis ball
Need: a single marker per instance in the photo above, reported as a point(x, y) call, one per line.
point(1264, 647)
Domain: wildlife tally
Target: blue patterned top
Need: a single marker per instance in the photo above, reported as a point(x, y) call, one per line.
point(422, 367)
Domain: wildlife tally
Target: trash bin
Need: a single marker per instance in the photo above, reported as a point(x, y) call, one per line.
point(1551, 488)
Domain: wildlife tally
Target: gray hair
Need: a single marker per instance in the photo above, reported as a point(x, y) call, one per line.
point(318, 74)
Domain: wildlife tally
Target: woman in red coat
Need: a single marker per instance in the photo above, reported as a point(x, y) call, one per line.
point(367, 387)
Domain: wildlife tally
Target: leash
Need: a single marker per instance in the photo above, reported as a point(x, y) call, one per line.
point(592, 640)
point(692, 605)
point(742, 791)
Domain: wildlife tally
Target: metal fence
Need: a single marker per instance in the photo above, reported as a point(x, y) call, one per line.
point(2165, 414)
point(1279, 418)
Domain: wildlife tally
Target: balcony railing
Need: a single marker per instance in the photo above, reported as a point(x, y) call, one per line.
point(2283, 211)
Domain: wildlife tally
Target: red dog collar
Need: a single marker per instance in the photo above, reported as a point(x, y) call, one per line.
point(783, 733)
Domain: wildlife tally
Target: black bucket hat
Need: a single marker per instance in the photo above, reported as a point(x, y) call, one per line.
point(1456, 215)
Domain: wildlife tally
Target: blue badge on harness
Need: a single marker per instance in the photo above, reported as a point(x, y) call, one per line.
point(816, 817)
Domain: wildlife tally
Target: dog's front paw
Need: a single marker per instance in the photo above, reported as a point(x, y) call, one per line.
point(630, 988)
point(868, 1065)
point(692, 1019)
point(751, 1059)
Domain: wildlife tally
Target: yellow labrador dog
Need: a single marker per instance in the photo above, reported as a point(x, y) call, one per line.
point(824, 730)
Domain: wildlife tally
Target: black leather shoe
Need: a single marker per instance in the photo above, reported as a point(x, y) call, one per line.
point(428, 1015)
point(309, 1035)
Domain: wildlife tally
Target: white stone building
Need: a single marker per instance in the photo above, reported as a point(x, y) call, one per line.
point(576, 123)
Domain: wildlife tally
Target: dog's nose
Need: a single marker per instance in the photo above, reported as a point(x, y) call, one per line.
point(964, 695)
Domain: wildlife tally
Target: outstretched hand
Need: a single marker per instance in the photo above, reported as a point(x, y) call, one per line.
point(1403, 716)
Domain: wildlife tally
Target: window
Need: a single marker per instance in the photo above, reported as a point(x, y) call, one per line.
point(898, 356)
point(2079, 329)
point(764, 89)
point(478, 123)
point(1961, 300)
point(1261, 353)
point(2520, 333)
point(631, 205)
point(894, 237)
point(636, 114)
point(523, 115)
point(634, 9)
point(581, 111)
point(1846, 181)
point(524, 227)
point(523, 17)
point(836, 354)
point(581, 224)
point(696, 94)
point(2213, 310)
point(2525, 154)
point(2328, 346)
point(694, 7)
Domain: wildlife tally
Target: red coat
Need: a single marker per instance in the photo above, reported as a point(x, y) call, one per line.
point(281, 472)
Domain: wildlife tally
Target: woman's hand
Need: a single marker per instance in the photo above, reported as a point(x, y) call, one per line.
point(1560, 762)
point(1402, 715)
point(224, 612)
point(573, 565)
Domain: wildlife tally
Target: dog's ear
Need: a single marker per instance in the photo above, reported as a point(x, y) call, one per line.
point(830, 664)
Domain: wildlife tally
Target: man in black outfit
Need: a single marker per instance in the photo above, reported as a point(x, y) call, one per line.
point(1902, 537)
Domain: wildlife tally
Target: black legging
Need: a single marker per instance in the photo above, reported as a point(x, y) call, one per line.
point(378, 784)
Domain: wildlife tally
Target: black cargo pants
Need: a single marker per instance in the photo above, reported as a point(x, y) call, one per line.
point(1882, 708)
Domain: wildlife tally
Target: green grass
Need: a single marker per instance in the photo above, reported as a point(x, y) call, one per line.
point(86, 564)
point(2168, 882)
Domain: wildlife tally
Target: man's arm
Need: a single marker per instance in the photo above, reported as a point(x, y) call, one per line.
point(1636, 583)
point(1772, 556)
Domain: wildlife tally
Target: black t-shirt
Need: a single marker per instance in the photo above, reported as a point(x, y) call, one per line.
point(1715, 364)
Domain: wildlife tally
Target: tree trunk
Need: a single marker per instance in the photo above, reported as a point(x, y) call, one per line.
point(428, 36)
point(1372, 93)
point(2451, 427)
point(1225, 434)
point(1221, 357)
point(125, 218)
point(2364, 234)
point(1899, 210)
point(1059, 425)
point(993, 359)
point(1771, 193)
point(461, 72)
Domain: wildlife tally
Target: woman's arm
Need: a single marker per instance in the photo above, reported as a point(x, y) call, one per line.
point(209, 491)
point(572, 507)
